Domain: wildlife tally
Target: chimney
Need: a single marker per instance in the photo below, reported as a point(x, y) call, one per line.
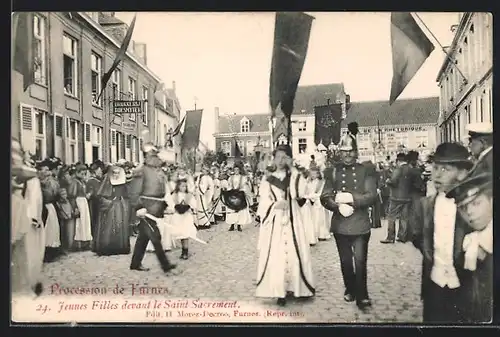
point(173, 86)
point(216, 117)
point(140, 49)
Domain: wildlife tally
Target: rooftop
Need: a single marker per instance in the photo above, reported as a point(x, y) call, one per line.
point(309, 96)
point(403, 111)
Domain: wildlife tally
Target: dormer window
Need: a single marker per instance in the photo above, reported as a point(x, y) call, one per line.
point(244, 125)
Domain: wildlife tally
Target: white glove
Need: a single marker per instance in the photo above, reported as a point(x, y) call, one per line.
point(343, 198)
point(141, 213)
point(346, 210)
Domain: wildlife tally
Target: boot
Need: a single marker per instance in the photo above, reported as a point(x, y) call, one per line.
point(231, 228)
point(239, 229)
point(184, 254)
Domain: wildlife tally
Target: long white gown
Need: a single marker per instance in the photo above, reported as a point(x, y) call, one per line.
point(318, 216)
point(243, 217)
point(204, 193)
point(284, 254)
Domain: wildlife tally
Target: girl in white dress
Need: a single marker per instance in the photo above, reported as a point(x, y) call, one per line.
point(238, 181)
point(183, 215)
point(318, 216)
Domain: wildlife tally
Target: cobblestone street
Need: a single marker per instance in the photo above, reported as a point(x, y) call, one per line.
point(226, 269)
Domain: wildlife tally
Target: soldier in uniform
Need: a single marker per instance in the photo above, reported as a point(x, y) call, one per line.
point(349, 191)
point(481, 145)
point(147, 195)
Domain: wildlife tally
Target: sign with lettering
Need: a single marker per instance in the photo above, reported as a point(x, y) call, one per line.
point(127, 107)
point(128, 126)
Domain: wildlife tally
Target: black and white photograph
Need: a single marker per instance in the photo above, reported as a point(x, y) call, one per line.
point(252, 167)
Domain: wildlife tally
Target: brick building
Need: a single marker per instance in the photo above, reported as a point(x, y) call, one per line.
point(59, 114)
point(466, 77)
point(407, 124)
point(250, 130)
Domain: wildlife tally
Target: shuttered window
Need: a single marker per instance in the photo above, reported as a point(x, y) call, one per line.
point(113, 138)
point(27, 118)
point(59, 126)
point(87, 132)
point(128, 139)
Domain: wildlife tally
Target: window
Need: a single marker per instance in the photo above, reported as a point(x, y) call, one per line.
point(265, 143)
point(72, 137)
point(116, 79)
point(245, 125)
point(302, 145)
point(145, 95)
point(241, 146)
point(70, 65)
point(132, 94)
point(481, 109)
point(467, 113)
point(40, 57)
point(226, 148)
point(250, 147)
point(97, 135)
point(302, 126)
point(96, 73)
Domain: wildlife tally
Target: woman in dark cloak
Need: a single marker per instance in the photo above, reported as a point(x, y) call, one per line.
point(112, 233)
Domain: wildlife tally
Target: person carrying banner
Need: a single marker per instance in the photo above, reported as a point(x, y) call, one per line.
point(204, 192)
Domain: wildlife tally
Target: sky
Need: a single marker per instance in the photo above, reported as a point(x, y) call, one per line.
point(223, 59)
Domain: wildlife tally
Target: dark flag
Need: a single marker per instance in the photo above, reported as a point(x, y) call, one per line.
point(410, 49)
point(119, 56)
point(327, 124)
point(23, 52)
point(191, 135)
point(237, 150)
point(291, 39)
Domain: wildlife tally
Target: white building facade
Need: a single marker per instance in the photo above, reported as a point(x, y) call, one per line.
point(465, 78)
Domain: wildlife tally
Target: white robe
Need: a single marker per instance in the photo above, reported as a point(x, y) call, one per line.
point(204, 193)
point(242, 217)
point(318, 215)
point(284, 254)
point(184, 227)
point(35, 237)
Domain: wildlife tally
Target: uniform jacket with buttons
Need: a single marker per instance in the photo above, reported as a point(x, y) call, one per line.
point(357, 180)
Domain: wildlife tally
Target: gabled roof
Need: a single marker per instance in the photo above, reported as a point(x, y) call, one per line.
point(309, 96)
point(402, 111)
point(230, 124)
point(109, 20)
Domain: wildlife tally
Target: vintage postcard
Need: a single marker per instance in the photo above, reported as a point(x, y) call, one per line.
point(320, 167)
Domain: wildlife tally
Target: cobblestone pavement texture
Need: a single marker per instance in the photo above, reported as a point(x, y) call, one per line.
point(225, 269)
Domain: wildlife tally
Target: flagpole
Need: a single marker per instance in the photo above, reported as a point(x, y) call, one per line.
point(442, 48)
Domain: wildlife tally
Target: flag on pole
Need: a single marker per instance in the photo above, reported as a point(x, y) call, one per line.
point(410, 49)
point(178, 127)
point(291, 39)
point(119, 56)
point(191, 135)
point(23, 58)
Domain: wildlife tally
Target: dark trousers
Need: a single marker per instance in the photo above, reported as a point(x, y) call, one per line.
point(353, 253)
point(398, 210)
point(442, 305)
point(148, 230)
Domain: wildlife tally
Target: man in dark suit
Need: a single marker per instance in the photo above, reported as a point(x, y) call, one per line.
point(399, 200)
point(474, 198)
point(481, 145)
point(350, 189)
point(438, 231)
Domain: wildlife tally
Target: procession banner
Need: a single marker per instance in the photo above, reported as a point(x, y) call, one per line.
point(23, 58)
point(291, 39)
point(191, 135)
point(327, 124)
point(410, 49)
